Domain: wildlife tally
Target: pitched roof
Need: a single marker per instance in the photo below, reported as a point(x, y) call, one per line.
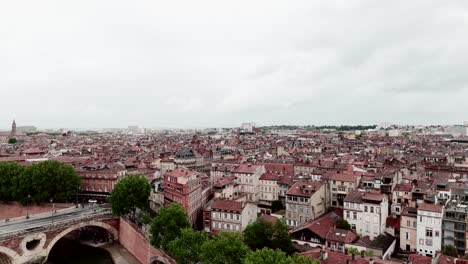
point(341, 235)
point(227, 205)
point(304, 189)
point(431, 207)
point(246, 168)
point(321, 225)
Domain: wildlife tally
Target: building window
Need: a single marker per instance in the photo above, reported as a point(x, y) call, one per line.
point(407, 236)
point(408, 223)
point(437, 233)
point(354, 215)
point(365, 208)
point(347, 214)
point(372, 209)
point(429, 242)
point(420, 219)
point(353, 227)
point(421, 242)
point(428, 232)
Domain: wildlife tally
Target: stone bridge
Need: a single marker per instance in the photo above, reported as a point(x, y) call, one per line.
point(33, 245)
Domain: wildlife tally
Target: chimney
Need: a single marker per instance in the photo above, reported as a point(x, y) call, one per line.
point(371, 261)
point(353, 257)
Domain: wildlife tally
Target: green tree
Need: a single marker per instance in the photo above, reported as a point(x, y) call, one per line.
point(343, 224)
point(186, 249)
point(12, 141)
point(225, 248)
point(353, 251)
point(450, 250)
point(262, 234)
point(47, 180)
point(168, 225)
point(9, 173)
point(281, 238)
point(369, 253)
point(267, 255)
point(130, 193)
point(298, 259)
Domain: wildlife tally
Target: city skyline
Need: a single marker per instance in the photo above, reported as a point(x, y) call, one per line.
point(103, 64)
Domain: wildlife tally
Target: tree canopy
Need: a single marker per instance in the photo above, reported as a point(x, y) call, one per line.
point(450, 250)
point(343, 224)
point(186, 249)
point(9, 173)
point(224, 248)
point(267, 255)
point(262, 234)
point(130, 193)
point(168, 225)
point(12, 141)
point(41, 181)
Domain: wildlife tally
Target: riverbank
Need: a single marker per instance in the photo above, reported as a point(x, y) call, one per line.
point(119, 254)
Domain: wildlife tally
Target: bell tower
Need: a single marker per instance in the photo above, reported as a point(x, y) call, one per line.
point(13, 129)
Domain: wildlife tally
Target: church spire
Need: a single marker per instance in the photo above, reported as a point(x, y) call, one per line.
point(13, 129)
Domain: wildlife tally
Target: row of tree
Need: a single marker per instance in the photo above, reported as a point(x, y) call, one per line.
point(38, 182)
point(261, 242)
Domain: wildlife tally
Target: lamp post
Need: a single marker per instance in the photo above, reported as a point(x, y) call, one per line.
point(52, 202)
point(27, 206)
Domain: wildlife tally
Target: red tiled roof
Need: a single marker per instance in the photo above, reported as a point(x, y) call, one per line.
point(431, 207)
point(417, 259)
point(179, 173)
point(227, 205)
point(403, 187)
point(393, 222)
point(304, 189)
point(341, 235)
point(321, 225)
point(246, 168)
point(268, 218)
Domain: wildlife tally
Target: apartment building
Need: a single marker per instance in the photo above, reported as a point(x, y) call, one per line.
point(248, 179)
point(408, 229)
point(229, 215)
point(304, 201)
point(455, 218)
point(184, 186)
point(429, 229)
point(366, 212)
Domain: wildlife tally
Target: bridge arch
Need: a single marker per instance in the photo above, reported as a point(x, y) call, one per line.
point(11, 254)
point(109, 228)
point(158, 260)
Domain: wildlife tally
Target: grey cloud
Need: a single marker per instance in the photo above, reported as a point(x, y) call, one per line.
point(207, 63)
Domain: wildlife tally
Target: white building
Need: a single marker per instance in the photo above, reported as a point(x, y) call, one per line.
point(248, 179)
point(247, 127)
point(229, 215)
point(366, 212)
point(429, 229)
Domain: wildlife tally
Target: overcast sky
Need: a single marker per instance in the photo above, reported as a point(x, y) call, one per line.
point(93, 64)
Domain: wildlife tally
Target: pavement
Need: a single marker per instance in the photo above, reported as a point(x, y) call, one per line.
point(119, 254)
point(50, 218)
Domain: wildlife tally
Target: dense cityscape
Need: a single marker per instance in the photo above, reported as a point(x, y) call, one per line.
point(286, 194)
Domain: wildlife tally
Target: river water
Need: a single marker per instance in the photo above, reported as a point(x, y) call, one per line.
point(68, 251)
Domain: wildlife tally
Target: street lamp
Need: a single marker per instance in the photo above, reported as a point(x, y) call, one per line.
point(27, 206)
point(53, 205)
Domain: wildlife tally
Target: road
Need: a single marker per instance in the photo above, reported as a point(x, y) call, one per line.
point(50, 218)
